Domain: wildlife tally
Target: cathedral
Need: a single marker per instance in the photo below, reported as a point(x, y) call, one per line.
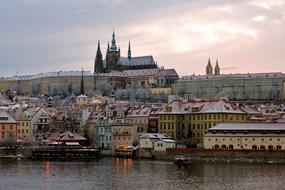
point(114, 60)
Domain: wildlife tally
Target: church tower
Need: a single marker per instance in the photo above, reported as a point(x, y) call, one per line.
point(209, 68)
point(112, 55)
point(129, 51)
point(98, 65)
point(82, 91)
point(217, 68)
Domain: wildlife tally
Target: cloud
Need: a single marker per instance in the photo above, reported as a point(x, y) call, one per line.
point(259, 18)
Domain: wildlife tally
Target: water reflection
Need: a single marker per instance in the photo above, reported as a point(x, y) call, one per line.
point(123, 165)
point(119, 173)
point(47, 168)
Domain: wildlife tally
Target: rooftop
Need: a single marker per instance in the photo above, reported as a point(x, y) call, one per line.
point(238, 75)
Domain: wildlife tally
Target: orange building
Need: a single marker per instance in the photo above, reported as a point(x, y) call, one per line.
point(8, 127)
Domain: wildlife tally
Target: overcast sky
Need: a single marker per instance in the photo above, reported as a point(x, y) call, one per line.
point(52, 35)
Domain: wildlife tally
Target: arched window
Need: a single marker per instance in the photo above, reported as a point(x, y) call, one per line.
point(254, 147)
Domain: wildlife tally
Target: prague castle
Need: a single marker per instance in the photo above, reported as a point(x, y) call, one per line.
point(114, 60)
point(117, 70)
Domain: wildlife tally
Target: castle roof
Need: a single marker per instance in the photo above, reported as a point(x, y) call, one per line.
point(239, 75)
point(136, 61)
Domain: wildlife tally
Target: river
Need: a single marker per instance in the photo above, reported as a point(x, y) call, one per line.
point(115, 173)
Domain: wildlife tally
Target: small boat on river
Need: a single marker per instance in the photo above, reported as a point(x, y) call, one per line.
point(181, 160)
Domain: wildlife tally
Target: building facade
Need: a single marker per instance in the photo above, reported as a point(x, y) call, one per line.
point(248, 136)
point(8, 127)
point(184, 120)
point(236, 87)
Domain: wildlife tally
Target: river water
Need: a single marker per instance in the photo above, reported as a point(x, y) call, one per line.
point(115, 173)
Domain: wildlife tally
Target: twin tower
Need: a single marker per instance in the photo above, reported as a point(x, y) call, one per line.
point(209, 68)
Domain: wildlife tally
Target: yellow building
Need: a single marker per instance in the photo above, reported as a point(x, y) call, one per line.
point(8, 127)
point(161, 90)
point(184, 120)
point(82, 100)
point(168, 123)
point(251, 136)
point(25, 126)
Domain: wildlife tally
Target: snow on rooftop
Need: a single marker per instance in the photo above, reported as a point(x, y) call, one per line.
point(238, 75)
point(51, 74)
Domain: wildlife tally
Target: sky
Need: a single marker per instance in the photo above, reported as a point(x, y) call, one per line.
point(52, 35)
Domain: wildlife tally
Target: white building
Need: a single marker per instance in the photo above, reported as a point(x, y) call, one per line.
point(156, 142)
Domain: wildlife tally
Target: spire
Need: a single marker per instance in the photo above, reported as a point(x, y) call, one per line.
point(129, 51)
point(108, 47)
point(217, 68)
point(98, 65)
point(82, 84)
point(209, 61)
point(113, 46)
point(209, 68)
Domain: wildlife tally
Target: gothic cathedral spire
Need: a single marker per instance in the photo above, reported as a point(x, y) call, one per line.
point(209, 68)
point(82, 92)
point(217, 68)
point(129, 51)
point(113, 46)
point(98, 65)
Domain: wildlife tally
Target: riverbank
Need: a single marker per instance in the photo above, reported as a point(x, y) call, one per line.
point(196, 155)
point(205, 155)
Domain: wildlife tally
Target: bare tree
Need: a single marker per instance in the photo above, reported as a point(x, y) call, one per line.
point(104, 87)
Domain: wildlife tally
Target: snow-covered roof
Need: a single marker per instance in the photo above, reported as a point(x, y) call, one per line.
point(155, 136)
point(6, 118)
point(167, 72)
point(239, 75)
point(51, 74)
point(140, 72)
point(203, 106)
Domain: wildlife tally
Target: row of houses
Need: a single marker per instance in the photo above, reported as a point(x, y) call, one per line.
point(111, 124)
